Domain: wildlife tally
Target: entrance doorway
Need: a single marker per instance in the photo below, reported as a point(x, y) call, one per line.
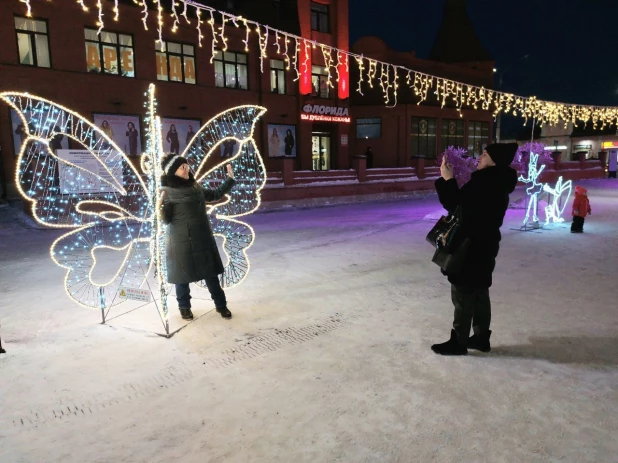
point(320, 150)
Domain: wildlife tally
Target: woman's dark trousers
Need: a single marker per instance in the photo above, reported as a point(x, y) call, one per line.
point(472, 309)
point(183, 294)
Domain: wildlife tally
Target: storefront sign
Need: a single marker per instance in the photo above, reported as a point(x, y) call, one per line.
point(322, 113)
point(609, 144)
point(344, 140)
point(582, 147)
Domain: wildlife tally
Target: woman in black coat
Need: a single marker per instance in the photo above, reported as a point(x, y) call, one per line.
point(483, 202)
point(191, 252)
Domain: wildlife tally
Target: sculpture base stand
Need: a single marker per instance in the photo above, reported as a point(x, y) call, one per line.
point(138, 318)
point(530, 227)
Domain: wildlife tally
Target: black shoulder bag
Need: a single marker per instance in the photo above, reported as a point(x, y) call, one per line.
point(451, 247)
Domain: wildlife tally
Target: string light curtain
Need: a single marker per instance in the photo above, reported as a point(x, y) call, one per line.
point(296, 52)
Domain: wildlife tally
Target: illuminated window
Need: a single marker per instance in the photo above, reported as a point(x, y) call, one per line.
point(319, 82)
point(32, 42)
point(319, 17)
point(231, 70)
point(369, 128)
point(423, 135)
point(478, 138)
point(452, 133)
point(109, 53)
point(176, 62)
point(277, 76)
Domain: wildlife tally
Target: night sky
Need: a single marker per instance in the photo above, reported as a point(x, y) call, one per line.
point(572, 44)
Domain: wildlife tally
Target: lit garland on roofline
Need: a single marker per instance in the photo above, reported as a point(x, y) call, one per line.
point(294, 50)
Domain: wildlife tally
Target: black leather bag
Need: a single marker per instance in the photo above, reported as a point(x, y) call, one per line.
point(451, 248)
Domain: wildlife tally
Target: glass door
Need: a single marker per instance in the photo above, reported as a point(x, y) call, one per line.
point(320, 150)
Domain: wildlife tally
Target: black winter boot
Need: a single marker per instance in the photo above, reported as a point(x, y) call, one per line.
point(186, 314)
point(480, 342)
point(225, 313)
point(450, 347)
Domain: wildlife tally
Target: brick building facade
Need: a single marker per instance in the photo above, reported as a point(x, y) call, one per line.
point(58, 55)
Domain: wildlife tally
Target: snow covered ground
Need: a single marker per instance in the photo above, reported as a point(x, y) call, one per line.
point(327, 357)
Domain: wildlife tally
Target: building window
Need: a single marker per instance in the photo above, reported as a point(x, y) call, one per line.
point(423, 137)
point(231, 70)
point(319, 82)
point(109, 53)
point(478, 138)
point(277, 76)
point(176, 62)
point(319, 17)
point(369, 127)
point(452, 133)
point(32, 42)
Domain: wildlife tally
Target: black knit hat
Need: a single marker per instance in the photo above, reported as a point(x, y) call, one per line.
point(171, 163)
point(502, 154)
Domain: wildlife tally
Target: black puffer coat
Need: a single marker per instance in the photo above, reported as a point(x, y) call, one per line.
point(190, 248)
point(484, 201)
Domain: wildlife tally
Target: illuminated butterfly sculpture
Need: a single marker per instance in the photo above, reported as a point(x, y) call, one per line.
point(109, 207)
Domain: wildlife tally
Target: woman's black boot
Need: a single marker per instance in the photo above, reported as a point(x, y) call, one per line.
point(450, 347)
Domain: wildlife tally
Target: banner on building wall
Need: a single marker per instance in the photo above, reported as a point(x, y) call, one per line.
point(344, 76)
point(305, 67)
point(115, 59)
point(281, 141)
point(20, 134)
point(77, 181)
point(177, 133)
point(176, 68)
point(124, 130)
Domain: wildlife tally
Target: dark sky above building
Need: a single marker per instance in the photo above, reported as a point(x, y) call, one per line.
point(572, 44)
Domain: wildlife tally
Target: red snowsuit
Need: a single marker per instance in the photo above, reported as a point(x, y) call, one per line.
point(581, 205)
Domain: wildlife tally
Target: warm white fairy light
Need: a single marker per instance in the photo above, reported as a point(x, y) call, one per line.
point(278, 45)
point(263, 45)
point(373, 70)
point(28, 6)
point(247, 32)
point(81, 3)
point(286, 52)
point(175, 16)
point(384, 77)
point(214, 41)
point(295, 58)
point(145, 14)
point(361, 68)
point(184, 12)
point(199, 27)
point(395, 84)
point(116, 10)
point(160, 23)
point(100, 16)
point(225, 20)
point(328, 63)
point(306, 57)
point(446, 90)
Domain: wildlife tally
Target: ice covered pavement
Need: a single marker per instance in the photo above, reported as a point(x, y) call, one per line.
point(327, 358)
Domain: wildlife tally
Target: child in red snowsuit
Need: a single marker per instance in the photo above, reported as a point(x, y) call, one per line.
point(581, 208)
